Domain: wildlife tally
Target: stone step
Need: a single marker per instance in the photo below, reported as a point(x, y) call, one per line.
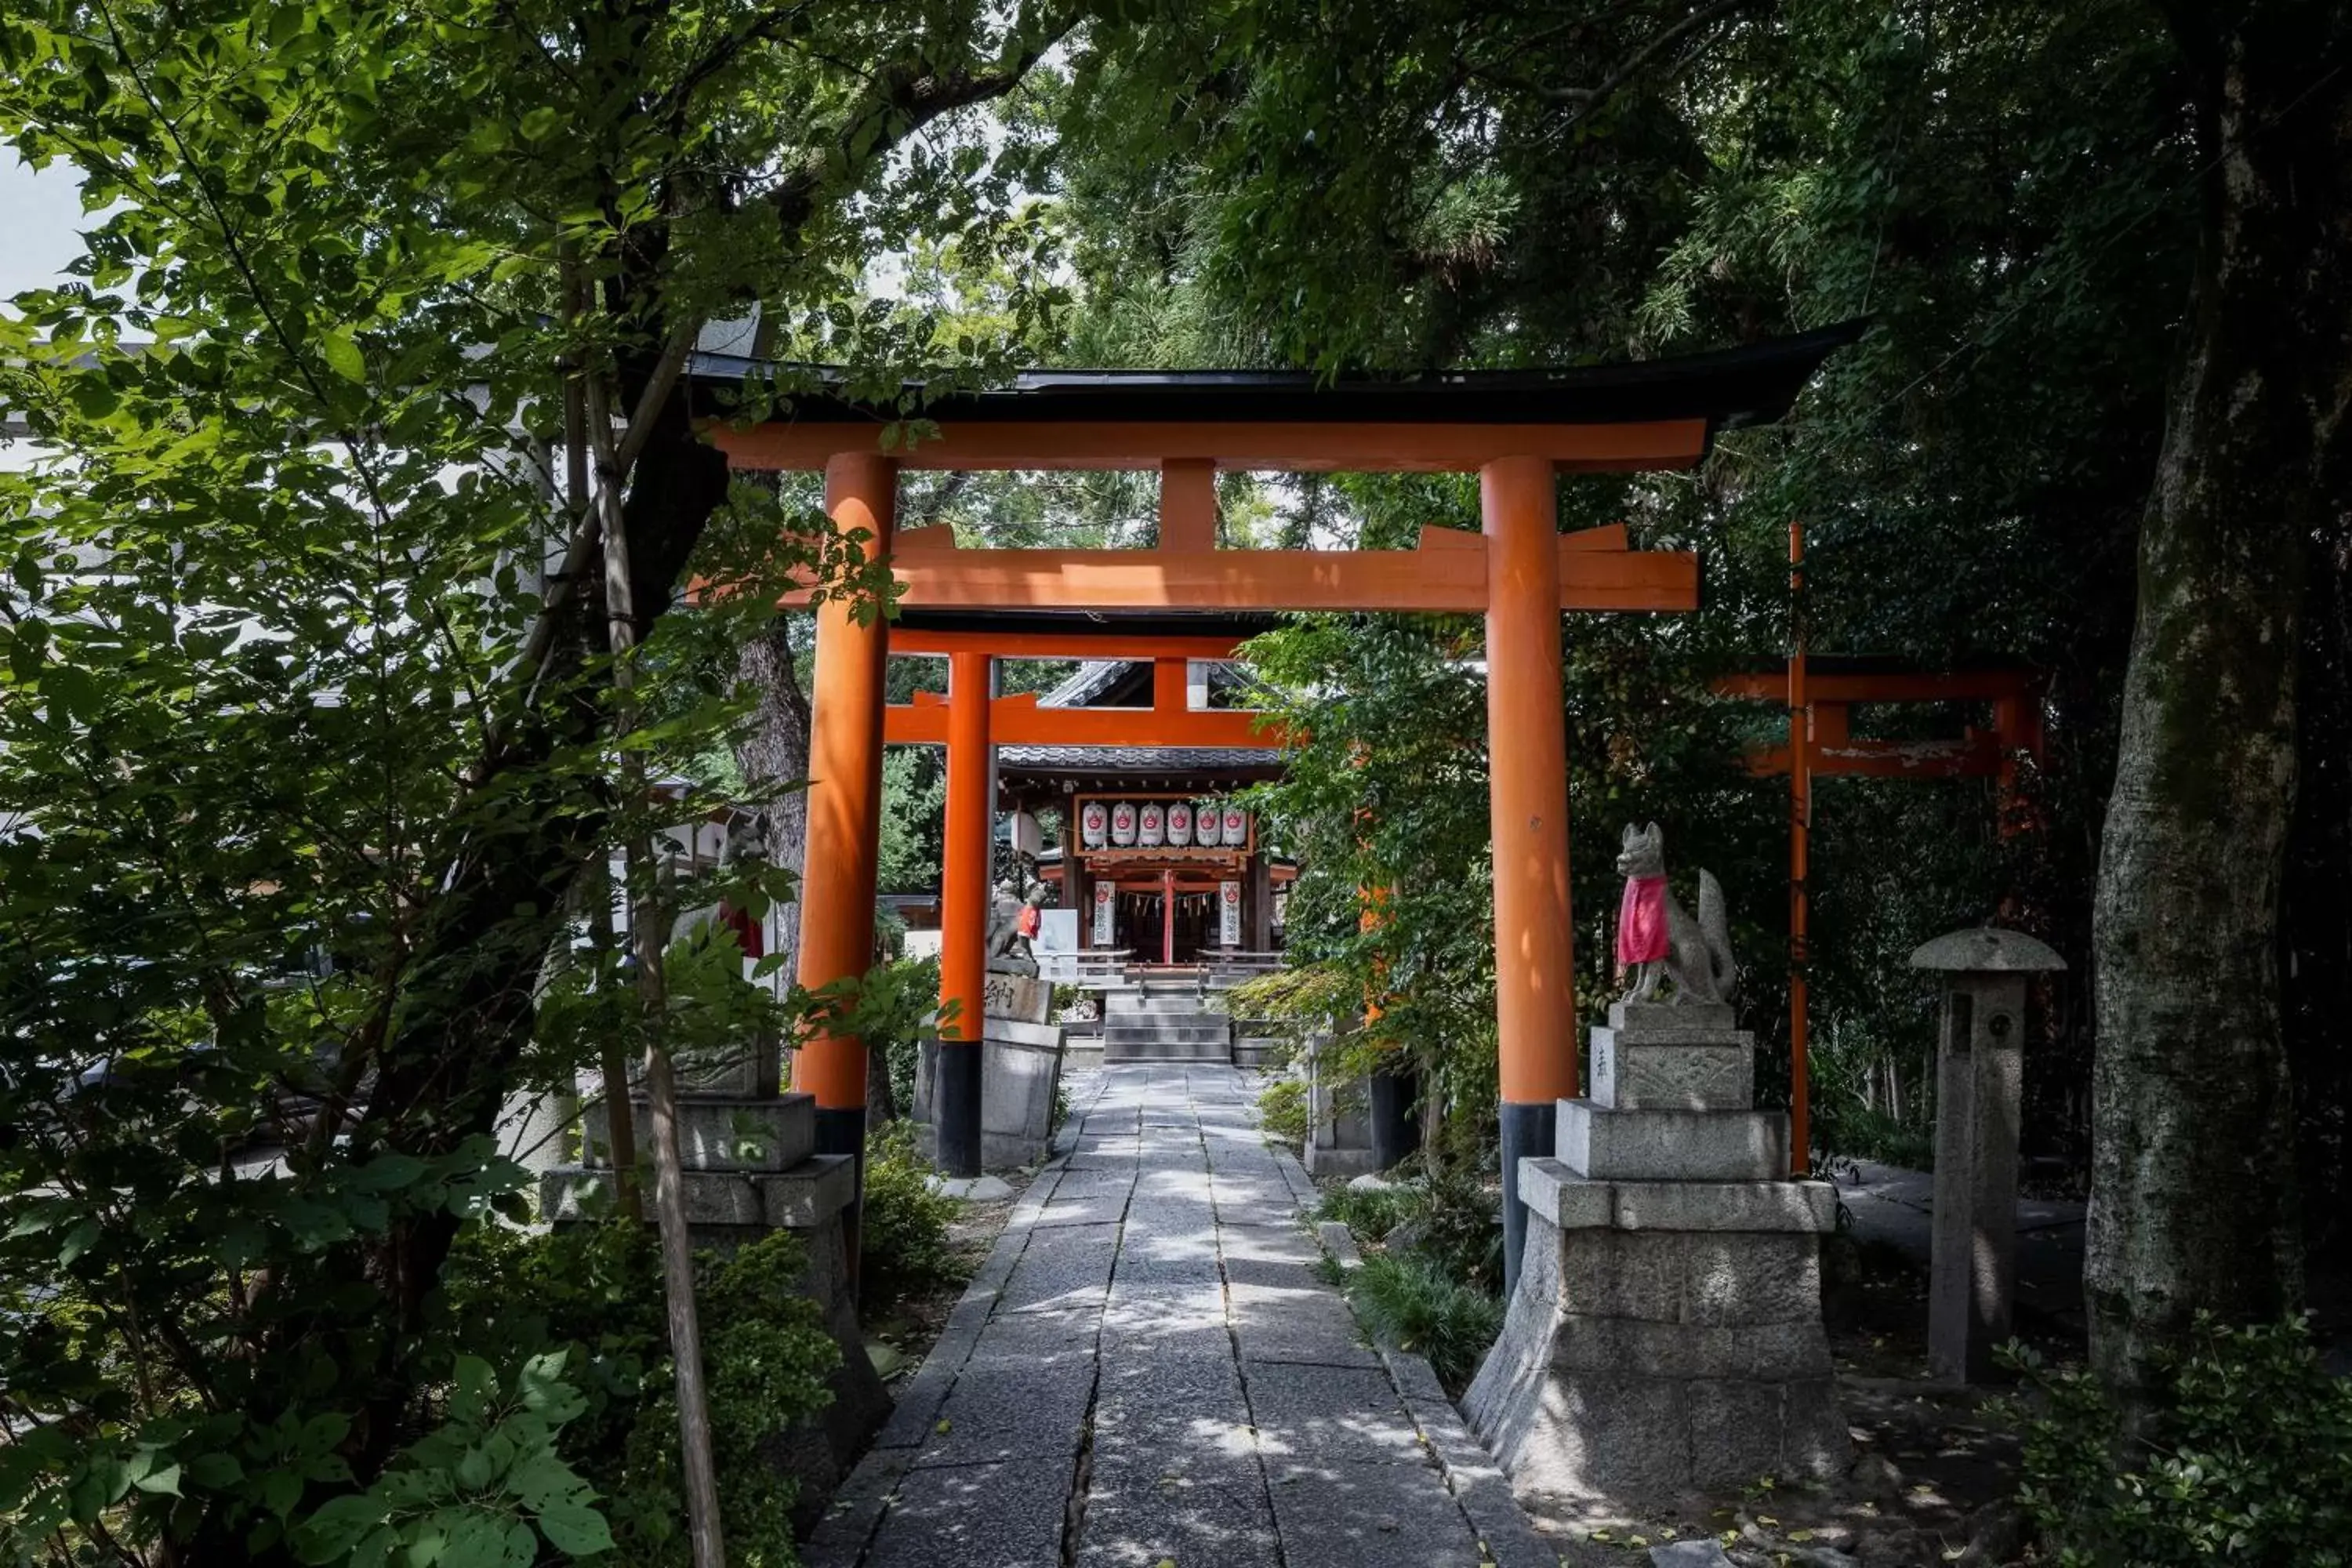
point(1596, 1141)
point(1117, 1050)
point(1122, 1006)
point(1255, 1053)
point(1186, 1035)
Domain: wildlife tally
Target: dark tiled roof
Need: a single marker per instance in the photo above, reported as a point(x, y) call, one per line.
point(1753, 385)
point(1137, 759)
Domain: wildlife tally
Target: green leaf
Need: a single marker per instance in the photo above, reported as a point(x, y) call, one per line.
point(576, 1528)
point(342, 355)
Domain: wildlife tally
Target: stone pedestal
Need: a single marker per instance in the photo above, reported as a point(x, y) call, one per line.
point(1020, 1073)
point(751, 1168)
point(1340, 1121)
point(1665, 1337)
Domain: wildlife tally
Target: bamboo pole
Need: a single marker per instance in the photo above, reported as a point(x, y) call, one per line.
point(647, 925)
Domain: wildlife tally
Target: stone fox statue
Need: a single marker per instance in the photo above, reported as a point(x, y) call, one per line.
point(1656, 936)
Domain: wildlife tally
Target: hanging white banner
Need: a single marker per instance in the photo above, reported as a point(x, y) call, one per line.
point(1106, 911)
point(1229, 914)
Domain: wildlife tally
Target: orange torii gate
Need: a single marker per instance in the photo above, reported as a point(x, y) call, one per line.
point(1519, 431)
point(970, 723)
point(1821, 692)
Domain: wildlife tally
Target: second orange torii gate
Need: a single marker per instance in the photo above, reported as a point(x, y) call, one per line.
point(970, 723)
point(1517, 431)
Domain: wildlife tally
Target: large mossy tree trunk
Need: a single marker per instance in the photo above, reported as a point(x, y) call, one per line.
point(775, 754)
point(2192, 1202)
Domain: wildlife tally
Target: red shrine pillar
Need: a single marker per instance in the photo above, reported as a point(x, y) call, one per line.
point(963, 914)
point(845, 815)
point(1526, 741)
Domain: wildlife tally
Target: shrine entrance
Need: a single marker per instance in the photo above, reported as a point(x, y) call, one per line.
point(1519, 431)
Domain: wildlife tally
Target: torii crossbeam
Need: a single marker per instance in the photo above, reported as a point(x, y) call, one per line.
point(1519, 431)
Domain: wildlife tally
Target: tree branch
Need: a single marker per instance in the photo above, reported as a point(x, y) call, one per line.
point(907, 96)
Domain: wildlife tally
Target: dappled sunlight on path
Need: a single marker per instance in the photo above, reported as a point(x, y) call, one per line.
point(1150, 1368)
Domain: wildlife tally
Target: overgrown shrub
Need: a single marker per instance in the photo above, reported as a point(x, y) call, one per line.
point(1370, 1212)
point(1410, 1301)
point(903, 1227)
point(1282, 1111)
point(1452, 1220)
point(2246, 1458)
point(594, 1291)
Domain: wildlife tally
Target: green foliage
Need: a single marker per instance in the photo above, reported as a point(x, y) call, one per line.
point(2243, 1455)
point(1282, 1111)
point(472, 1492)
point(1371, 1213)
point(1452, 1220)
point(1410, 1300)
point(304, 730)
point(594, 1292)
point(902, 1234)
point(914, 818)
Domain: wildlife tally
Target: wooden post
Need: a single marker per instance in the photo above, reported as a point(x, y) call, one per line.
point(1188, 505)
point(1526, 742)
point(963, 914)
point(845, 816)
point(1800, 821)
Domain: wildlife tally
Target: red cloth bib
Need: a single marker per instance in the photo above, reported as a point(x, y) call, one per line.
point(1641, 936)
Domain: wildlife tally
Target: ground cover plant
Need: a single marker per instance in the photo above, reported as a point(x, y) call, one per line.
point(2243, 1455)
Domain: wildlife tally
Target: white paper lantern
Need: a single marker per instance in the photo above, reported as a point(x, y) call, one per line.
point(1180, 823)
point(1094, 826)
point(1151, 826)
point(1235, 829)
point(1207, 831)
point(1122, 823)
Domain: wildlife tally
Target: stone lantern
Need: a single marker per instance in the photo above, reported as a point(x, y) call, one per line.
point(1978, 1073)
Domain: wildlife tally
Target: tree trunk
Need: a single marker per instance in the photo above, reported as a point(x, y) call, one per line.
point(776, 751)
point(2192, 1202)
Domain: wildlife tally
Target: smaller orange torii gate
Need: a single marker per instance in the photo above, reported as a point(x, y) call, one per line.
point(970, 725)
point(1821, 692)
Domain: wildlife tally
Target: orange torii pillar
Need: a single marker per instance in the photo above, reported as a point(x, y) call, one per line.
point(1527, 743)
point(963, 913)
point(844, 818)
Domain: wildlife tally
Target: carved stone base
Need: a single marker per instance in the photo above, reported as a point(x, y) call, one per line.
point(1665, 1337)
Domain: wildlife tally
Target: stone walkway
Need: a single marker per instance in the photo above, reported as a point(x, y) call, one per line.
point(1150, 1369)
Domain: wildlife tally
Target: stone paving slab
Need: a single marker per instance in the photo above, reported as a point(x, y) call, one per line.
point(1213, 1516)
point(1348, 1516)
point(1007, 1515)
point(1149, 1367)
